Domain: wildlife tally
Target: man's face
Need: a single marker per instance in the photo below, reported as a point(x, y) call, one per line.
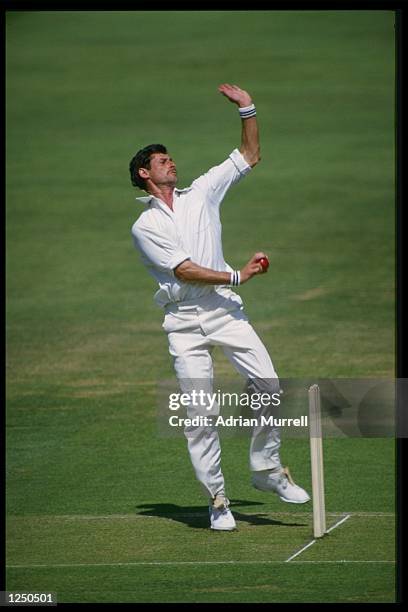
point(162, 170)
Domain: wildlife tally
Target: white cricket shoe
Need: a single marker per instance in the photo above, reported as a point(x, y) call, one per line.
point(280, 483)
point(221, 518)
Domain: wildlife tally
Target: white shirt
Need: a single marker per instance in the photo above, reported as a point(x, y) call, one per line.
point(192, 230)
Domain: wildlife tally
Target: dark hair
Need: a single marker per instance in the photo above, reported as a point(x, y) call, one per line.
point(142, 160)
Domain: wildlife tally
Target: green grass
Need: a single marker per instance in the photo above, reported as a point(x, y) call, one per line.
point(85, 348)
point(202, 584)
point(147, 550)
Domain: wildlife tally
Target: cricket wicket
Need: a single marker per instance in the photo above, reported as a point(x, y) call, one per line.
point(316, 456)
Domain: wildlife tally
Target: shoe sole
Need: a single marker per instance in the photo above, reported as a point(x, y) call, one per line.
point(288, 501)
point(292, 501)
point(222, 529)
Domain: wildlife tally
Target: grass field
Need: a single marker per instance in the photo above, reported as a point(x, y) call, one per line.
point(100, 507)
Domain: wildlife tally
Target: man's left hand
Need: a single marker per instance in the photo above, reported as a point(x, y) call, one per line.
point(235, 94)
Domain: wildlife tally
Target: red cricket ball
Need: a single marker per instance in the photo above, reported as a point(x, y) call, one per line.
point(264, 261)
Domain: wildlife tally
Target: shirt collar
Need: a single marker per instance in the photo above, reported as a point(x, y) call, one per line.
point(145, 199)
point(149, 198)
point(182, 190)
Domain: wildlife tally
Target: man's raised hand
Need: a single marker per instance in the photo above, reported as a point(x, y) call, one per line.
point(235, 94)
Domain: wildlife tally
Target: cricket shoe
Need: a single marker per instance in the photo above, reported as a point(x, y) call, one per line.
point(221, 518)
point(280, 483)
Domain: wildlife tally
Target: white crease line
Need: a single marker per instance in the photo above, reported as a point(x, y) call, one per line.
point(301, 550)
point(136, 563)
point(343, 520)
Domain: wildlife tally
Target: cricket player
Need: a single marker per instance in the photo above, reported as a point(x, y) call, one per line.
point(178, 235)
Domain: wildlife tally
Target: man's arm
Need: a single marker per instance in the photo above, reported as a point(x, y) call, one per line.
point(188, 271)
point(250, 136)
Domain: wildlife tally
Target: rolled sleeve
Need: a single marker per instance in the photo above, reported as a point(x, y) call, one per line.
point(177, 258)
point(240, 162)
point(158, 250)
point(216, 182)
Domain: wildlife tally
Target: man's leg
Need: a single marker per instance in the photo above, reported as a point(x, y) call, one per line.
point(194, 370)
point(193, 365)
point(249, 356)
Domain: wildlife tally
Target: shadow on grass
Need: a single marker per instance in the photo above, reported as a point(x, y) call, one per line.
point(197, 516)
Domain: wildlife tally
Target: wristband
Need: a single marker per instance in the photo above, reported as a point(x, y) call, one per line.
point(235, 279)
point(247, 111)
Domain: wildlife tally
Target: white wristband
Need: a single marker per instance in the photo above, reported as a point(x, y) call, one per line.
point(235, 278)
point(247, 112)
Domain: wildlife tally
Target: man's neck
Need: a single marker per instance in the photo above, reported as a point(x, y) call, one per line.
point(164, 193)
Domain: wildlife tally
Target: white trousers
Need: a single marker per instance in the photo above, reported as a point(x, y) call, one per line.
point(193, 330)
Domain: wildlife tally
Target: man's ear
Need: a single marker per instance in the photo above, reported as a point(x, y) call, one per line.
point(143, 173)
